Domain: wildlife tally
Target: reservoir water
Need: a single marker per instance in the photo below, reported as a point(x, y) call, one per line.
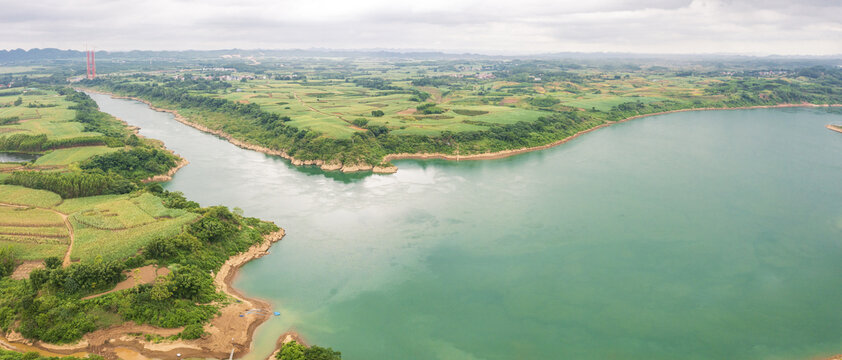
point(693, 235)
point(16, 157)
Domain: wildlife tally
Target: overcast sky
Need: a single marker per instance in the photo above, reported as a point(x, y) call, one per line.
point(757, 27)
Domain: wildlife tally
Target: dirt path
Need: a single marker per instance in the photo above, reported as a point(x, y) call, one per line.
point(64, 218)
point(66, 261)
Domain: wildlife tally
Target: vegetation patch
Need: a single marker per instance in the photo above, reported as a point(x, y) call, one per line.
point(468, 112)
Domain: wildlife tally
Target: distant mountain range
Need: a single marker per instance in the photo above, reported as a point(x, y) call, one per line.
point(51, 54)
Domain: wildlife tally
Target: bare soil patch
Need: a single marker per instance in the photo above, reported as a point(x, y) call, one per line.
point(139, 276)
point(23, 270)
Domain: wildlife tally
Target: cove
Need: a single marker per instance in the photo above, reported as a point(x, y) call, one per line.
point(16, 157)
point(698, 235)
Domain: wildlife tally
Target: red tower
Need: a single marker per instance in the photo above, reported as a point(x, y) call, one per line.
point(91, 64)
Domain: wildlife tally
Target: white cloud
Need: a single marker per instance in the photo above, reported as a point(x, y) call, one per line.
point(516, 27)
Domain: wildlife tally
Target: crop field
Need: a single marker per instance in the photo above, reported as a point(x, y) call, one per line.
point(72, 155)
point(330, 107)
point(35, 233)
point(18, 195)
point(52, 120)
point(111, 226)
point(117, 226)
point(16, 216)
point(468, 97)
point(115, 244)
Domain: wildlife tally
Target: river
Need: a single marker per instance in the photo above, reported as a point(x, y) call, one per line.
point(693, 235)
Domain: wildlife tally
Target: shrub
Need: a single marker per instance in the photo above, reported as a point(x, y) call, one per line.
point(192, 331)
point(361, 122)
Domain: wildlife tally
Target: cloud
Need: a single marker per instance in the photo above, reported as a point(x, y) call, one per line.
point(491, 26)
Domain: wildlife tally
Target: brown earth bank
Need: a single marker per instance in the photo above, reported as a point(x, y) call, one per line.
point(226, 333)
point(168, 176)
point(338, 166)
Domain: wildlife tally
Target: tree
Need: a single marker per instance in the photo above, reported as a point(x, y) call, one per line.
point(190, 283)
point(291, 351)
point(316, 352)
point(192, 331)
point(295, 351)
point(8, 261)
point(18, 101)
point(377, 113)
point(361, 122)
point(53, 262)
point(211, 229)
point(160, 291)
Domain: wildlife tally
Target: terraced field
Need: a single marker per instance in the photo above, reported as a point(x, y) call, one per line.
point(37, 233)
point(110, 226)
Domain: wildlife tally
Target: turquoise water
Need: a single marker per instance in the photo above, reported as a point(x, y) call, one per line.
point(695, 235)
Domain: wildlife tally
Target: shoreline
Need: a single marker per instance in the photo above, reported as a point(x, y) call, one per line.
point(836, 128)
point(336, 166)
point(512, 152)
point(224, 333)
point(326, 166)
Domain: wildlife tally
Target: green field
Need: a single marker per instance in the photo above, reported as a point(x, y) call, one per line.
point(115, 227)
point(472, 98)
point(34, 233)
point(111, 226)
point(18, 195)
point(72, 155)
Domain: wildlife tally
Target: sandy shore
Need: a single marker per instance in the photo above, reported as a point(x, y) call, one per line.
point(336, 166)
point(227, 332)
point(836, 128)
